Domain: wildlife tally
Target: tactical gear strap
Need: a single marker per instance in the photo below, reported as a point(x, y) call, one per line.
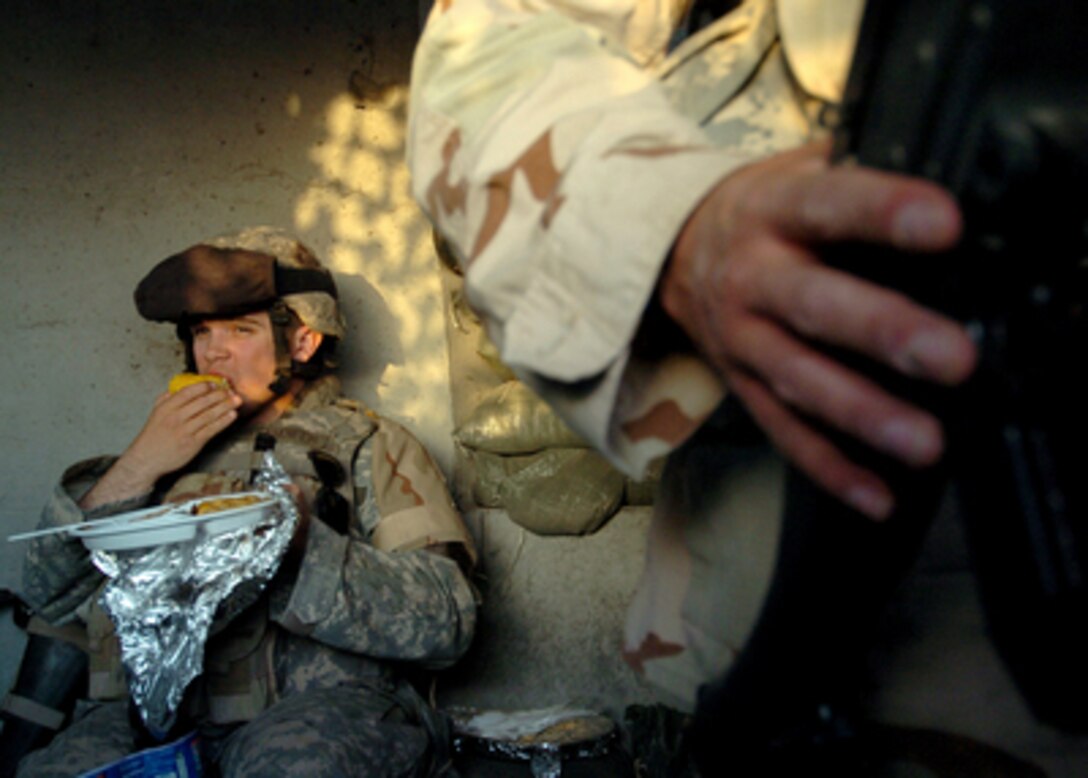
point(295, 280)
point(73, 633)
point(30, 710)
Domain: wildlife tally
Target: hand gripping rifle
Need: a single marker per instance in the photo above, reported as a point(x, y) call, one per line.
point(988, 98)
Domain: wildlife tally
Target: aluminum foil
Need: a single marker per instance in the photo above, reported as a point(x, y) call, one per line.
point(520, 736)
point(162, 600)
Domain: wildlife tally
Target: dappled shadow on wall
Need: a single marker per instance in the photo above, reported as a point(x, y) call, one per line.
point(381, 250)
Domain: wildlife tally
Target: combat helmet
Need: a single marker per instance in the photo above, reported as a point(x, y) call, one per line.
point(255, 269)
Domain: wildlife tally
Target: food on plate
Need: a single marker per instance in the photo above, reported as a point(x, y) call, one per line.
point(151, 514)
point(218, 504)
point(182, 380)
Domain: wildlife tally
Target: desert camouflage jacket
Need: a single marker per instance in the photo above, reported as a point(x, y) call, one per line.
point(354, 601)
point(560, 146)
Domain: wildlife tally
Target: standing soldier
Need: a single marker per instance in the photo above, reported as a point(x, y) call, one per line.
point(641, 196)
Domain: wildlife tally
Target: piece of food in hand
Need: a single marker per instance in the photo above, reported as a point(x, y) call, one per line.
point(182, 380)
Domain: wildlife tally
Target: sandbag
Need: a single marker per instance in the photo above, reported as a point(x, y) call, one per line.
point(511, 419)
point(489, 353)
point(563, 492)
point(488, 472)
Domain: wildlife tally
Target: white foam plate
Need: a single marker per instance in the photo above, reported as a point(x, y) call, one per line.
point(169, 524)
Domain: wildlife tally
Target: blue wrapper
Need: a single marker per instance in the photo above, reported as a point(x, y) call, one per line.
point(179, 759)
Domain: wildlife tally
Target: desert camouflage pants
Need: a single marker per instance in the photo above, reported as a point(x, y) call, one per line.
point(343, 731)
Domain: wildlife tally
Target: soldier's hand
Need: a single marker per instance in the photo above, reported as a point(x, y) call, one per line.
point(746, 283)
point(177, 429)
point(181, 424)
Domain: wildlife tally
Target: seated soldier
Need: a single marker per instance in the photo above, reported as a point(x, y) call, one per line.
point(302, 681)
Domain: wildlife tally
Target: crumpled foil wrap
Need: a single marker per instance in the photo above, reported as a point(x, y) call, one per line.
point(162, 600)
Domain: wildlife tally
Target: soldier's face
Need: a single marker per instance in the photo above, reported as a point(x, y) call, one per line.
point(243, 351)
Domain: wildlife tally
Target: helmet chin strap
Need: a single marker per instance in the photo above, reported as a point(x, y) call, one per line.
point(281, 321)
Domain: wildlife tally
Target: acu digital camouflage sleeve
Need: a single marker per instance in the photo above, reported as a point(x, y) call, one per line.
point(58, 576)
point(405, 603)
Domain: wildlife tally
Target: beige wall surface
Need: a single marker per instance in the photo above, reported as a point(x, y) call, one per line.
point(130, 130)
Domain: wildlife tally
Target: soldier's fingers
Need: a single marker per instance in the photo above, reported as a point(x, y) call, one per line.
point(205, 397)
point(822, 388)
point(836, 308)
point(212, 421)
point(185, 403)
point(811, 204)
point(812, 453)
point(207, 408)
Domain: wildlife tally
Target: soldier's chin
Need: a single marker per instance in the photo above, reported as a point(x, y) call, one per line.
point(257, 410)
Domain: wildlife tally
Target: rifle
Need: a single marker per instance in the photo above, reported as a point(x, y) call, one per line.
point(988, 98)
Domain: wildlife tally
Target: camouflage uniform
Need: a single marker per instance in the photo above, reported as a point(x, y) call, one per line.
point(559, 148)
point(309, 661)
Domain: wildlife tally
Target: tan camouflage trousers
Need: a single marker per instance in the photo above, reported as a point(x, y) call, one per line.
point(342, 731)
